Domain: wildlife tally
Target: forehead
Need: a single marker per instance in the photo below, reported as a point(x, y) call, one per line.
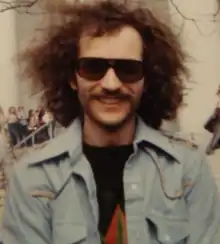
point(124, 43)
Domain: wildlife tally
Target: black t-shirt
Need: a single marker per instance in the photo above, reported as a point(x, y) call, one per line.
point(107, 164)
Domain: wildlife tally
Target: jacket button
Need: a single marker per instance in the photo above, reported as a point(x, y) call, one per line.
point(134, 186)
point(167, 238)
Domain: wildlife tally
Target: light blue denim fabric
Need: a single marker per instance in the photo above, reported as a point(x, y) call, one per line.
point(170, 194)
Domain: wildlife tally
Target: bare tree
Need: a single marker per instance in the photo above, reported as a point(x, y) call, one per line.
point(211, 17)
point(26, 6)
point(19, 6)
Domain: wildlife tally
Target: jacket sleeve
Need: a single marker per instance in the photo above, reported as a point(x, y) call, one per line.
point(204, 204)
point(25, 218)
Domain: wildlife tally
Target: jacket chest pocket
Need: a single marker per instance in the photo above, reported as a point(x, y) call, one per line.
point(168, 230)
point(69, 233)
point(68, 220)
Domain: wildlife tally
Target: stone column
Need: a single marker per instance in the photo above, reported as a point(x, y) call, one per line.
point(8, 79)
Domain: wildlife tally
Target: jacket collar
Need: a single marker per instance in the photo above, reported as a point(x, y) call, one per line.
point(70, 141)
point(157, 139)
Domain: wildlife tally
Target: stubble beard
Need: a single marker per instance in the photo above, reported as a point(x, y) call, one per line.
point(112, 127)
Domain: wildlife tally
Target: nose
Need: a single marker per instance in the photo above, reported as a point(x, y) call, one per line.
point(110, 81)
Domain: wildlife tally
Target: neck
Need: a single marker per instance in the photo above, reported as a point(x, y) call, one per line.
point(95, 135)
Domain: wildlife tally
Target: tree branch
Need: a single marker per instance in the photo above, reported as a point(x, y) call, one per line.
point(217, 10)
point(17, 6)
point(26, 6)
point(194, 20)
point(176, 7)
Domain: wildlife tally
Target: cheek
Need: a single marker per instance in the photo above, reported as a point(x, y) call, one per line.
point(82, 95)
point(137, 89)
point(83, 89)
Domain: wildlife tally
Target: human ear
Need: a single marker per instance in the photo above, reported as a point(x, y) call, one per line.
point(73, 85)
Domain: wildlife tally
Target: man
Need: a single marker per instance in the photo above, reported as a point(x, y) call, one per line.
point(111, 74)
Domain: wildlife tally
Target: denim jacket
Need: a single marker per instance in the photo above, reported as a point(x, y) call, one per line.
point(170, 194)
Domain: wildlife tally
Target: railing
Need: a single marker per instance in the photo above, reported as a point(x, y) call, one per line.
point(32, 135)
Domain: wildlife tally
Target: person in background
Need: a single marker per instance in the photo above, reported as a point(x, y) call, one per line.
point(3, 147)
point(111, 72)
point(39, 113)
point(32, 125)
point(2, 120)
point(32, 121)
point(42, 135)
point(36, 113)
point(13, 126)
point(22, 118)
point(48, 119)
point(215, 141)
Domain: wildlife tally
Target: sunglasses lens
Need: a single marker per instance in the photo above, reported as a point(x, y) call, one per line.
point(129, 71)
point(92, 68)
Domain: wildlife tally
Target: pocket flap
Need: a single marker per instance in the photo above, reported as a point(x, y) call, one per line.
point(169, 230)
point(68, 233)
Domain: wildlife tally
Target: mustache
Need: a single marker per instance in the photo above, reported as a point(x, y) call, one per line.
point(111, 94)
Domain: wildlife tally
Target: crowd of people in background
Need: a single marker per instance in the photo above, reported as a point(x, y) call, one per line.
point(20, 124)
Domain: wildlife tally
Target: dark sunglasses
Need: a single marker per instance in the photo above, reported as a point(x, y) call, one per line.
point(94, 69)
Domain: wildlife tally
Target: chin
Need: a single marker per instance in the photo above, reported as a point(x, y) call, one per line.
point(113, 123)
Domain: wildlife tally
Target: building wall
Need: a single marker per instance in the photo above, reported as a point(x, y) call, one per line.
point(202, 43)
point(27, 25)
point(8, 85)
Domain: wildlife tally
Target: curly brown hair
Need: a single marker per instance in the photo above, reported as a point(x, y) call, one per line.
point(49, 62)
